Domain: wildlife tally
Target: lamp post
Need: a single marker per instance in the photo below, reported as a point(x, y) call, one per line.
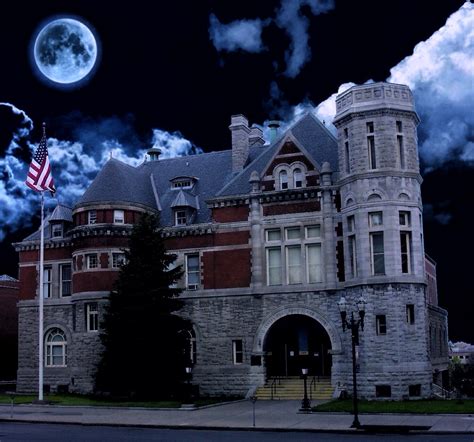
point(188, 389)
point(305, 403)
point(353, 325)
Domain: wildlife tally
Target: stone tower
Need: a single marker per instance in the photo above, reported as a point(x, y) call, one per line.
point(383, 233)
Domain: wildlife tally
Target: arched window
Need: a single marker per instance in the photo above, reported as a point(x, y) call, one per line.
point(56, 344)
point(297, 178)
point(283, 180)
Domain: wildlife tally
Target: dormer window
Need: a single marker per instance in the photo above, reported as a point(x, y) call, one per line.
point(186, 184)
point(180, 218)
point(57, 230)
point(119, 217)
point(283, 180)
point(297, 179)
point(92, 217)
point(182, 182)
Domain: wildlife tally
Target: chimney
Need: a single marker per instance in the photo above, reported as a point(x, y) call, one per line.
point(154, 153)
point(273, 125)
point(239, 127)
point(256, 137)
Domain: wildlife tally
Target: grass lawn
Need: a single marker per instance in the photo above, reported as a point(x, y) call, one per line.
point(419, 406)
point(71, 399)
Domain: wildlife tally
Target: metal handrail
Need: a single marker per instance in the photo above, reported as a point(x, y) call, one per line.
point(442, 391)
point(273, 387)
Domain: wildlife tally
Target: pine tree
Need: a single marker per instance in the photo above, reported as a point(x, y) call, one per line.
point(144, 345)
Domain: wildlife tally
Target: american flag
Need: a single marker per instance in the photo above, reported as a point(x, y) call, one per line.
point(39, 174)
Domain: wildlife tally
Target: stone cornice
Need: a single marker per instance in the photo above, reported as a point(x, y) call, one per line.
point(380, 173)
point(48, 244)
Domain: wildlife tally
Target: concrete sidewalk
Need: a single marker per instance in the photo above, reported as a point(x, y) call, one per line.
point(270, 415)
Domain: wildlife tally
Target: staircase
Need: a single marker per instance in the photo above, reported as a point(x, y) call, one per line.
point(292, 387)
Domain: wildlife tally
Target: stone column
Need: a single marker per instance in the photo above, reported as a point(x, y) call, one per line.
point(256, 231)
point(329, 245)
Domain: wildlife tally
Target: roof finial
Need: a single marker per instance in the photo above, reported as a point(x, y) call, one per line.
point(44, 129)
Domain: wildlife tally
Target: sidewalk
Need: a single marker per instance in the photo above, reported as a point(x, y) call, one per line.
point(270, 415)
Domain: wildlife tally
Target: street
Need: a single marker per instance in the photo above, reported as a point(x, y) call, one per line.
point(28, 432)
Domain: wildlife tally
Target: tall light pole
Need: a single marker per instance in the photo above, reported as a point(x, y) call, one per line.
point(353, 325)
point(305, 403)
point(188, 384)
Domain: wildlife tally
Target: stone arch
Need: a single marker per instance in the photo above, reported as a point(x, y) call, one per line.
point(267, 323)
point(374, 194)
point(404, 195)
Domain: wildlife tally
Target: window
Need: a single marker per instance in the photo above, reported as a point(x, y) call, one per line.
point(401, 151)
point(92, 261)
point(92, 317)
point(66, 279)
point(283, 180)
point(193, 277)
point(399, 126)
point(377, 253)
point(274, 266)
point(57, 230)
point(92, 216)
point(180, 218)
point(55, 355)
point(346, 133)
point(313, 232)
point(351, 224)
point(313, 258)
point(404, 218)
point(118, 260)
point(375, 219)
point(405, 250)
point(119, 217)
point(352, 255)
point(293, 233)
point(237, 351)
point(410, 310)
point(370, 127)
point(297, 179)
point(383, 391)
point(47, 282)
point(371, 150)
point(182, 184)
point(414, 390)
point(347, 157)
point(381, 325)
point(293, 264)
point(273, 234)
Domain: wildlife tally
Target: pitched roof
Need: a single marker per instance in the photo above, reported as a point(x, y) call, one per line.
point(61, 213)
point(7, 278)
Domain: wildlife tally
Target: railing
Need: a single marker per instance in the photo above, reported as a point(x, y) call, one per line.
point(312, 386)
point(273, 386)
point(441, 392)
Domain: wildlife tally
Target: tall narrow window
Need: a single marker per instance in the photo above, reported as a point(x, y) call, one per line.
point(66, 279)
point(377, 253)
point(47, 282)
point(293, 264)
point(313, 257)
point(193, 274)
point(381, 324)
point(55, 354)
point(119, 217)
point(347, 157)
point(92, 216)
point(404, 218)
point(274, 266)
point(297, 178)
point(283, 180)
point(92, 317)
point(352, 255)
point(401, 151)
point(405, 249)
point(371, 151)
point(370, 127)
point(237, 351)
point(351, 224)
point(410, 310)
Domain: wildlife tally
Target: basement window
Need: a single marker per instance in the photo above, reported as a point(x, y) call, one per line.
point(383, 391)
point(414, 390)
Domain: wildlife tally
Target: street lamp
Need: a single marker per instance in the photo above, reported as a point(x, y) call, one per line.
point(353, 325)
point(305, 403)
point(188, 389)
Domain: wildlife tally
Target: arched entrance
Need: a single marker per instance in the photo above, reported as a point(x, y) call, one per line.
point(294, 342)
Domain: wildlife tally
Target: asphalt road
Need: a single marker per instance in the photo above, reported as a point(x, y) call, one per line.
point(26, 432)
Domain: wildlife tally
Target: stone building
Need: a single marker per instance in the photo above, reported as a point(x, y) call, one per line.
point(270, 236)
point(8, 326)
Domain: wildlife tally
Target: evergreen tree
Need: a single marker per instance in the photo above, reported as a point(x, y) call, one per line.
point(144, 344)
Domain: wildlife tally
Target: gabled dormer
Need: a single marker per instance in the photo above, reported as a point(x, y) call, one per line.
point(184, 207)
point(183, 182)
point(60, 221)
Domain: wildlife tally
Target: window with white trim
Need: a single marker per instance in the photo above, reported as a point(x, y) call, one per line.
point(119, 217)
point(283, 180)
point(375, 219)
point(193, 273)
point(92, 317)
point(314, 263)
point(92, 216)
point(57, 230)
point(47, 282)
point(118, 259)
point(92, 261)
point(237, 351)
point(377, 254)
point(297, 178)
point(180, 217)
point(56, 346)
point(65, 280)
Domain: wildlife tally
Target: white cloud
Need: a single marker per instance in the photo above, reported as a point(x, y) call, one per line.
point(173, 144)
point(240, 34)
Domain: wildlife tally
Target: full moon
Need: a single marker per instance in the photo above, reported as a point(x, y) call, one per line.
point(65, 51)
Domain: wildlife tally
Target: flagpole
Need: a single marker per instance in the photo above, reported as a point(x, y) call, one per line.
point(40, 308)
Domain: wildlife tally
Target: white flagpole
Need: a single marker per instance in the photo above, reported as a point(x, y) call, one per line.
point(40, 304)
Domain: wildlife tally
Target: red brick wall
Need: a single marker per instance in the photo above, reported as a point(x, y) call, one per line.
point(28, 282)
point(94, 281)
point(9, 291)
point(230, 214)
point(226, 269)
point(104, 260)
point(49, 254)
point(280, 209)
point(203, 241)
point(85, 242)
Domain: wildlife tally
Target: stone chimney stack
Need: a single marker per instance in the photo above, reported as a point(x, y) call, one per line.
point(240, 130)
point(256, 137)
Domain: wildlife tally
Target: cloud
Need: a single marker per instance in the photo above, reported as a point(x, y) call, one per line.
point(245, 35)
point(74, 163)
point(290, 18)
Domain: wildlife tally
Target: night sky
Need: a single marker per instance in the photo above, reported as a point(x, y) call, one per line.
point(172, 73)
